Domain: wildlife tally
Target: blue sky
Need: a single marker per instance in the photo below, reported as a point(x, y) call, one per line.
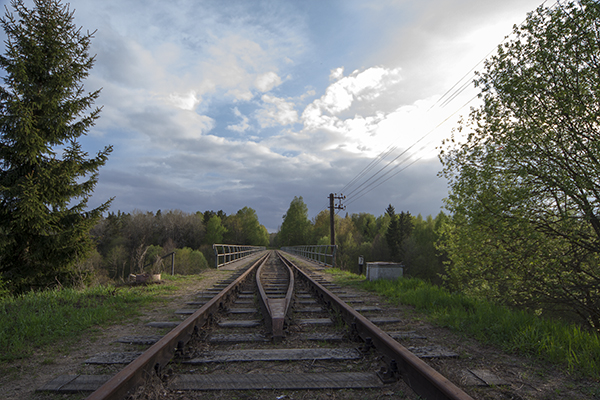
point(217, 105)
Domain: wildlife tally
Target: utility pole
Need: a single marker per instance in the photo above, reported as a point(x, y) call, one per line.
point(332, 208)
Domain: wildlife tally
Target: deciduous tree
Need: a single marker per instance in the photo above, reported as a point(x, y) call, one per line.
point(525, 192)
point(214, 230)
point(296, 227)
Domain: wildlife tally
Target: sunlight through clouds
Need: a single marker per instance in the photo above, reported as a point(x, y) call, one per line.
point(301, 95)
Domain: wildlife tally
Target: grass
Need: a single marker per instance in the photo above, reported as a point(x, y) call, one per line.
point(37, 320)
point(512, 330)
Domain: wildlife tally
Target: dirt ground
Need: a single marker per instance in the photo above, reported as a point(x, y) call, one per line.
point(19, 379)
point(519, 377)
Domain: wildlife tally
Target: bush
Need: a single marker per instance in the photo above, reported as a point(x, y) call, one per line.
point(188, 261)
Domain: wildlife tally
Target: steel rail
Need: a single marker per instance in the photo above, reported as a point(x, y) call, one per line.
point(422, 378)
point(275, 309)
point(158, 355)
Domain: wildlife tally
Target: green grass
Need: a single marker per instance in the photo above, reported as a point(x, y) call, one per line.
point(37, 320)
point(512, 330)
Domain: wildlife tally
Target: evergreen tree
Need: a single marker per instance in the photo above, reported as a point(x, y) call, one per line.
point(391, 235)
point(405, 228)
point(398, 232)
point(46, 178)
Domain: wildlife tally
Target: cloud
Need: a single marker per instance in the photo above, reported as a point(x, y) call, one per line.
point(243, 126)
point(276, 111)
point(267, 81)
point(187, 101)
point(336, 74)
point(360, 86)
point(185, 82)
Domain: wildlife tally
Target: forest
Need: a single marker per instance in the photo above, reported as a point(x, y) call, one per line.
point(130, 243)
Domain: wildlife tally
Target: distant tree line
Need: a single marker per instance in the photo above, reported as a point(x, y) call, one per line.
point(389, 237)
point(129, 243)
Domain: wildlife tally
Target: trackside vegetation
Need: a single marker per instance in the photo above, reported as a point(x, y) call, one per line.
point(33, 320)
point(514, 331)
point(523, 171)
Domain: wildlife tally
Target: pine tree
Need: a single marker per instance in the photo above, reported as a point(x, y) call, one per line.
point(46, 178)
point(391, 235)
point(398, 232)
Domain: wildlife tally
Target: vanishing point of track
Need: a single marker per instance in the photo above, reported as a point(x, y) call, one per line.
point(285, 294)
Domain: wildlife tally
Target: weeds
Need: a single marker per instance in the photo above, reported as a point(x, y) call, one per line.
point(515, 331)
point(37, 319)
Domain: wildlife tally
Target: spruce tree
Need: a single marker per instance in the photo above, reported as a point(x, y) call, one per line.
point(391, 235)
point(46, 178)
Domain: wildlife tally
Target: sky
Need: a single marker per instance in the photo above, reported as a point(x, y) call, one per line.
point(220, 105)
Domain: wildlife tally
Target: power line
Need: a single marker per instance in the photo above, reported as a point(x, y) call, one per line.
point(370, 187)
point(449, 96)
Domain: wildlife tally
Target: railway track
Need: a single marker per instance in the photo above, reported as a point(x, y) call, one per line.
point(272, 326)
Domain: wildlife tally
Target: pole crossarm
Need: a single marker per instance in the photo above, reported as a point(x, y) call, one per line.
point(323, 254)
point(228, 253)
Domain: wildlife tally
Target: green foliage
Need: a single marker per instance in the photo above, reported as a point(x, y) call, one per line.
point(296, 227)
point(519, 332)
point(130, 242)
point(365, 235)
point(525, 194)
point(366, 226)
point(35, 319)
point(215, 230)
point(421, 257)
point(398, 231)
point(44, 224)
point(153, 262)
point(320, 228)
point(255, 234)
point(189, 262)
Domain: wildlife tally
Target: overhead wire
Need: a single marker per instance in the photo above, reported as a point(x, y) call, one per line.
point(448, 97)
point(363, 192)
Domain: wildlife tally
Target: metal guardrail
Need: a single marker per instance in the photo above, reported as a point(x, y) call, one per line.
point(321, 253)
point(228, 253)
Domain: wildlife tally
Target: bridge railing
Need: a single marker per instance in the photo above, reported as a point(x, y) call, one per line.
point(228, 253)
point(323, 254)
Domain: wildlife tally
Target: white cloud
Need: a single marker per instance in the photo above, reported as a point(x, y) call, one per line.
point(336, 74)
point(364, 85)
point(276, 111)
point(168, 67)
point(267, 81)
point(243, 126)
point(187, 101)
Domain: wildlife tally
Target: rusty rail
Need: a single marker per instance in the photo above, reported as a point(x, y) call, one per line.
point(275, 309)
point(423, 379)
point(159, 354)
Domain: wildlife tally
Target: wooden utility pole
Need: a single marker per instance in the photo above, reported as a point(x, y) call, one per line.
point(332, 208)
